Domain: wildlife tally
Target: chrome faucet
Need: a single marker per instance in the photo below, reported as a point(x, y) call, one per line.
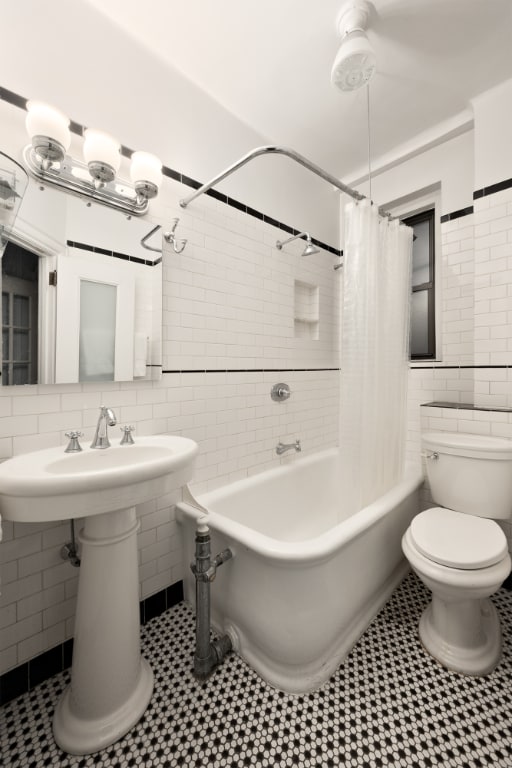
point(107, 418)
point(283, 447)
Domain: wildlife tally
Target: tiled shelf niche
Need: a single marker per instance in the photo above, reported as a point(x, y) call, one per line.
point(306, 311)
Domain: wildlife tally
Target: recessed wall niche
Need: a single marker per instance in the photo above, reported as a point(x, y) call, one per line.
point(306, 311)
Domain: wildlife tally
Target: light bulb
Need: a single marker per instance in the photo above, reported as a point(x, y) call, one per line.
point(102, 154)
point(48, 129)
point(146, 174)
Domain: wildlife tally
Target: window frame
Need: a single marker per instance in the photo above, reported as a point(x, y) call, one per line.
point(26, 288)
point(429, 287)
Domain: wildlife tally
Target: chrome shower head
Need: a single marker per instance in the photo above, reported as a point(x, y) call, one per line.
point(309, 250)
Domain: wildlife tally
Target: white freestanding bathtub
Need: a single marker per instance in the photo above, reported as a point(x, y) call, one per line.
point(304, 583)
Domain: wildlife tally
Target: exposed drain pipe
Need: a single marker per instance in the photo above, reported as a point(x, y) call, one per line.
point(70, 550)
point(208, 653)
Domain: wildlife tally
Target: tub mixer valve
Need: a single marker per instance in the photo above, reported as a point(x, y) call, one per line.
point(280, 392)
point(211, 573)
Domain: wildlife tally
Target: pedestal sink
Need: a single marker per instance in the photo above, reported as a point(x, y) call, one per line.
point(111, 684)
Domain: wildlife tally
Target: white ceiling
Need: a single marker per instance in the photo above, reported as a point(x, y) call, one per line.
point(268, 62)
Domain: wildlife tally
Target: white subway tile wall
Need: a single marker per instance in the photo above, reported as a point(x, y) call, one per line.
point(493, 296)
point(229, 312)
point(457, 291)
point(228, 317)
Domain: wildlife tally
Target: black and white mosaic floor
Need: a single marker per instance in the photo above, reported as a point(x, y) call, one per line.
point(389, 704)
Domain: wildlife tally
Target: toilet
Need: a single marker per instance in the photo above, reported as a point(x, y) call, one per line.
point(458, 550)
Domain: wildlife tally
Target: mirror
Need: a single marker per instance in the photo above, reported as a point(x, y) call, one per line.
point(81, 295)
point(13, 183)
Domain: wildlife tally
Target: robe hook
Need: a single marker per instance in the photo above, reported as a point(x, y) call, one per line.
point(170, 237)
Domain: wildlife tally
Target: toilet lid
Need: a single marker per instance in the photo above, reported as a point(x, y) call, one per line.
point(458, 540)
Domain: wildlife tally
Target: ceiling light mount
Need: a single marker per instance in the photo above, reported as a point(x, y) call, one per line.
point(355, 62)
point(353, 17)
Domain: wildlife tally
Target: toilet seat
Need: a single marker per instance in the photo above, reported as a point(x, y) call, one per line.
point(458, 540)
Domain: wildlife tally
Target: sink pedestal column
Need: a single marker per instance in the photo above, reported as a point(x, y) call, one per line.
point(111, 684)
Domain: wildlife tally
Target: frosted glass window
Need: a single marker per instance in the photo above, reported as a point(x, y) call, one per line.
point(97, 331)
point(419, 323)
point(97, 302)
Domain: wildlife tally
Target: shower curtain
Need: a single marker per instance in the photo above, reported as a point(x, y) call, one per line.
point(374, 353)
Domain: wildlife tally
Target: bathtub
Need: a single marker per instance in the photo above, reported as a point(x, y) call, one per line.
point(304, 583)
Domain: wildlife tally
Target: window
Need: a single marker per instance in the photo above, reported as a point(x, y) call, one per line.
point(423, 337)
point(19, 315)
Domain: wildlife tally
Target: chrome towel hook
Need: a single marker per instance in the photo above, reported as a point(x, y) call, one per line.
point(170, 237)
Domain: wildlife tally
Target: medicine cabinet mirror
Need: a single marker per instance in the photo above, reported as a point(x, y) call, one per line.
point(81, 296)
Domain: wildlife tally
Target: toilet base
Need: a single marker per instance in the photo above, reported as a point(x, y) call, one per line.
point(463, 637)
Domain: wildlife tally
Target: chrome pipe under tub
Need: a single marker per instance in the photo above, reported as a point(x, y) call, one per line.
point(208, 653)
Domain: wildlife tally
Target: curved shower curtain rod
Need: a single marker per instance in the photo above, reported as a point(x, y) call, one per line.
point(271, 149)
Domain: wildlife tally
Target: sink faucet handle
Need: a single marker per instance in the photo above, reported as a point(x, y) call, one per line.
point(73, 445)
point(127, 438)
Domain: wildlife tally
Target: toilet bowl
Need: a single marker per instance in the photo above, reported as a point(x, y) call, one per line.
point(459, 551)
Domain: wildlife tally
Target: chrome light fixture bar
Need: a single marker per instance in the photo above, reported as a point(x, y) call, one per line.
point(47, 160)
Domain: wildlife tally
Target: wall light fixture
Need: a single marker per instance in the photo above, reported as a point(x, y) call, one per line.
point(47, 160)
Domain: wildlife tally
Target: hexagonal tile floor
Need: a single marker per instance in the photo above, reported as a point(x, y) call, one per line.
point(389, 704)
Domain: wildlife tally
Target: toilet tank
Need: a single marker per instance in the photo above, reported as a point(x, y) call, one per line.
point(472, 473)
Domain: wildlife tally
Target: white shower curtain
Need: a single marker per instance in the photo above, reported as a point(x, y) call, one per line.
point(374, 353)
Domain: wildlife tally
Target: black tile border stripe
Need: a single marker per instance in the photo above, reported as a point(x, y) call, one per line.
point(29, 674)
point(412, 366)
point(492, 189)
point(13, 98)
point(249, 370)
point(113, 254)
point(455, 367)
point(19, 101)
point(457, 214)
point(484, 192)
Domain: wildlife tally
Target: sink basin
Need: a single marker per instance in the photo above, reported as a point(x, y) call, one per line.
point(53, 485)
point(111, 684)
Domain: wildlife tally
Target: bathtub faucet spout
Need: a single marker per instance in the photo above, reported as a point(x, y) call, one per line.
point(283, 447)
